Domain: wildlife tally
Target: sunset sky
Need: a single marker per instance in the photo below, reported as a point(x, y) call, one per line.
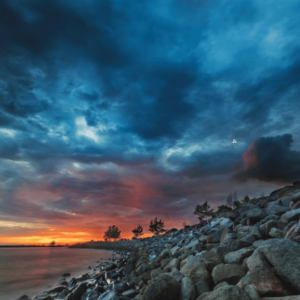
point(117, 112)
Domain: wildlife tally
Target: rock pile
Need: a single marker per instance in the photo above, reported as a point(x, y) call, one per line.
point(252, 254)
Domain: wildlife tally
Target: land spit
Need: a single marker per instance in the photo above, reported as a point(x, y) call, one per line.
point(250, 253)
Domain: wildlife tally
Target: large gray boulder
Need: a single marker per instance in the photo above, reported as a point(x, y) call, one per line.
point(227, 292)
point(210, 259)
point(163, 287)
point(284, 255)
point(230, 273)
point(266, 282)
point(192, 260)
point(275, 209)
point(292, 215)
point(238, 256)
point(178, 276)
point(258, 261)
point(187, 291)
point(198, 273)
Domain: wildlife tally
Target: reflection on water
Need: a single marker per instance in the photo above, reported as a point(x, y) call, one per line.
point(32, 270)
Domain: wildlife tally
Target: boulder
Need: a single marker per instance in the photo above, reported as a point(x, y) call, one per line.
point(163, 287)
point(285, 191)
point(140, 270)
point(275, 209)
point(228, 237)
point(210, 259)
point(220, 285)
point(198, 247)
point(256, 213)
point(174, 263)
point(284, 255)
point(92, 296)
point(108, 295)
point(293, 232)
point(174, 249)
point(275, 233)
point(226, 223)
point(201, 287)
point(215, 237)
point(227, 292)
point(266, 228)
point(258, 261)
point(191, 261)
point(178, 276)
point(252, 292)
point(230, 273)
point(266, 282)
point(63, 294)
point(296, 197)
point(288, 227)
point(165, 262)
point(72, 283)
point(295, 205)
point(260, 243)
point(165, 253)
point(203, 238)
point(78, 292)
point(192, 244)
point(187, 291)
point(130, 294)
point(210, 246)
point(237, 257)
point(233, 215)
point(121, 287)
point(198, 273)
point(292, 215)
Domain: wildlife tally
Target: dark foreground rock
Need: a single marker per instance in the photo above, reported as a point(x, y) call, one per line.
point(163, 287)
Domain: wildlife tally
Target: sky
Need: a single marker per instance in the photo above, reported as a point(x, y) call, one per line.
point(117, 112)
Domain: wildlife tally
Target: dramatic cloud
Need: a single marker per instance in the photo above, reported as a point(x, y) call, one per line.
point(120, 111)
point(270, 159)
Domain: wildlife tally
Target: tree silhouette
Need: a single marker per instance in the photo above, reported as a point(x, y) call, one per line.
point(203, 211)
point(138, 231)
point(113, 232)
point(52, 243)
point(156, 226)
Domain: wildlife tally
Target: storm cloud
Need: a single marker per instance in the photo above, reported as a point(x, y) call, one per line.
point(128, 110)
point(270, 159)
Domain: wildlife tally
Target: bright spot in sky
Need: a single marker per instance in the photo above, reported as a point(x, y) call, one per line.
point(85, 130)
point(234, 141)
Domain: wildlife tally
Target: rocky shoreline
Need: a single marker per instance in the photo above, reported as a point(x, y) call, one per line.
point(251, 253)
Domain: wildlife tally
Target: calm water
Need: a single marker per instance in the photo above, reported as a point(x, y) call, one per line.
point(32, 270)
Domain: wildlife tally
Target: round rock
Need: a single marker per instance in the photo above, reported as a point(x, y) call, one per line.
point(163, 287)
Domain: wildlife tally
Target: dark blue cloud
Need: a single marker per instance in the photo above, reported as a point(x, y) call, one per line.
point(270, 159)
point(94, 93)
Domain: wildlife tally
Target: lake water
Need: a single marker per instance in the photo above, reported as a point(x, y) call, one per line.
point(32, 270)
